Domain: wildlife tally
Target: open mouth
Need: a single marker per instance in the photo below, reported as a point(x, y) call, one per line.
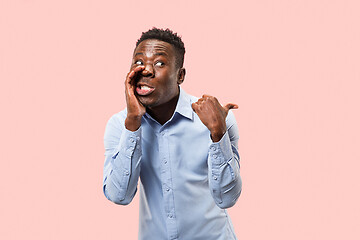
point(144, 90)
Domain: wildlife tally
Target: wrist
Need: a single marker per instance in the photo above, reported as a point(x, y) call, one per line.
point(216, 135)
point(132, 123)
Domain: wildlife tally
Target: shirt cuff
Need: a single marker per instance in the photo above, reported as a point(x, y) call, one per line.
point(128, 141)
point(221, 151)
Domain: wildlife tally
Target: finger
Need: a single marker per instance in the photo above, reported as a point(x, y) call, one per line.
point(206, 96)
point(229, 106)
point(134, 72)
point(213, 100)
point(200, 100)
point(138, 69)
point(195, 106)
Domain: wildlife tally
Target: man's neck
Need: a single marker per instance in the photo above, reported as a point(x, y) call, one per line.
point(164, 112)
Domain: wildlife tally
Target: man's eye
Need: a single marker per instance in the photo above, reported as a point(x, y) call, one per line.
point(159, 64)
point(138, 62)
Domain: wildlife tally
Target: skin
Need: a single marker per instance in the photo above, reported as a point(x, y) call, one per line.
point(154, 65)
point(213, 115)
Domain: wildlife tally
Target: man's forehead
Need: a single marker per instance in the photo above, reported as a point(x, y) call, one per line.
point(157, 47)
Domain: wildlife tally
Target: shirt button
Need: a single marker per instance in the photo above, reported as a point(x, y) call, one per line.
point(126, 172)
point(130, 150)
point(167, 189)
point(132, 140)
point(215, 156)
point(165, 162)
point(170, 215)
point(215, 178)
point(213, 148)
point(162, 133)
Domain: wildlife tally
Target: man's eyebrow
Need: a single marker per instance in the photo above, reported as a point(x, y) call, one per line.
point(161, 53)
point(157, 54)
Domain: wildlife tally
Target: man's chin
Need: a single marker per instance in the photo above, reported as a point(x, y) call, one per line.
point(145, 102)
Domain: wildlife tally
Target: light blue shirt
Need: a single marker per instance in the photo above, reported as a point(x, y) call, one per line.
point(186, 180)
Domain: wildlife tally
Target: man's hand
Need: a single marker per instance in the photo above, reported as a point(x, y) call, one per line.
point(135, 110)
point(213, 115)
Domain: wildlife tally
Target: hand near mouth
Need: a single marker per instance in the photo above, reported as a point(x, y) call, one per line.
point(213, 115)
point(135, 110)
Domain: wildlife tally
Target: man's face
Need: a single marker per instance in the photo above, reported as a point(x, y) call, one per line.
point(157, 84)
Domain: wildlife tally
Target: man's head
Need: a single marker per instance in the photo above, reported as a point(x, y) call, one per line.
point(159, 53)
point(166, 36)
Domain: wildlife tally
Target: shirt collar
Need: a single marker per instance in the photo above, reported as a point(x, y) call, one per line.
point(183, 106)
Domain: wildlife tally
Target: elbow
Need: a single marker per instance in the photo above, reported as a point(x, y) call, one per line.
point(119, 201)
point(224, 205)
point(228, 202)
point(123, 202)
point(230, 197)
point(116, 198)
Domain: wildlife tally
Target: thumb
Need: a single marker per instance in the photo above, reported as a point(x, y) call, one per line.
point(229, 106)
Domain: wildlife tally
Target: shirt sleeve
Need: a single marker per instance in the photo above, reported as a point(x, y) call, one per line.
point(224, 166)
point(122, 161)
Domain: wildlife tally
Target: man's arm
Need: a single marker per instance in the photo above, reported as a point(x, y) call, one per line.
point(223, 159)
point(224, 167)
point(122, 142)
point(122, 162)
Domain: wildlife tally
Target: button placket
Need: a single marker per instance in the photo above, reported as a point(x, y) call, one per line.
point(167, 185)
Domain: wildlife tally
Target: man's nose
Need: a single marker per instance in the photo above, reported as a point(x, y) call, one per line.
point(148, 71)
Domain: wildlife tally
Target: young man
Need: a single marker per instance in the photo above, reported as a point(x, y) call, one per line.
point(183, 149)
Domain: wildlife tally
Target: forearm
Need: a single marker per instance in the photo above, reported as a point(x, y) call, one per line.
point(122, 166)
point(224, 172)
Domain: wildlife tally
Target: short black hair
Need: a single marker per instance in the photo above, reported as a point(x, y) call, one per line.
point(167, 36)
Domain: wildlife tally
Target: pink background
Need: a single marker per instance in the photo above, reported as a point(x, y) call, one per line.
point(292, 66)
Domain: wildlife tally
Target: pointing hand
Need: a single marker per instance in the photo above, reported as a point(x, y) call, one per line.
point(213, 115)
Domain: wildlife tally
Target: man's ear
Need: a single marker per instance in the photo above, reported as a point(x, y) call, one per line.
point(181, 76)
